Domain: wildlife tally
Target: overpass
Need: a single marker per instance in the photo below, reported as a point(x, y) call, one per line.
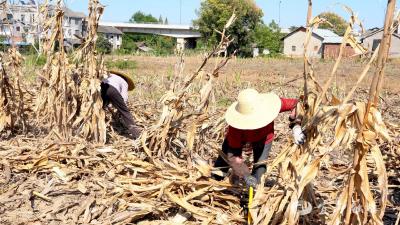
point(185, 35)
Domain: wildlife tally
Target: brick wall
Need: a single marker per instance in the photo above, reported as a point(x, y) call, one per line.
point(331, 51)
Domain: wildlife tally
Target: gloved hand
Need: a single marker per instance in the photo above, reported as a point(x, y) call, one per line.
point(238, 165)
point(298, 135)
point(250, 181)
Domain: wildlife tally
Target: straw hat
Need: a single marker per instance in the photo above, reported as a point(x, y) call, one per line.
point(127, 78)
point(253, 110)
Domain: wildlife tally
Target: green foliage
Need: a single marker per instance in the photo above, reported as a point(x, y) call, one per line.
point(121, 64)
point(35, 60)
point(269, 37)
point(166, 21)
point(103, 45)
point(140, 17)
point(338, 22)
point(214, 14)
point(293, 28)
point(161, 45)
point(128, 44)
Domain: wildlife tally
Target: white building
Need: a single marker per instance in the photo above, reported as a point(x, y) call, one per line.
point(293, 43)
point(112, 34)
point(25, 19)
point(372, 39)
point(73, 22)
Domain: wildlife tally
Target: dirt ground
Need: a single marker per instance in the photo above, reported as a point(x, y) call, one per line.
point(277, 71)
point(283, 76)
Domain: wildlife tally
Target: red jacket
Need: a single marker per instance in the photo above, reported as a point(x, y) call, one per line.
point(237, 138)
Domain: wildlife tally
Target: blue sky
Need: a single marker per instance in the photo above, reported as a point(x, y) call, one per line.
point(293, 12)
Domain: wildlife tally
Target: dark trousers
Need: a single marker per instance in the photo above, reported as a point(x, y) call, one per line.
point(111, 95)
point(260, 153)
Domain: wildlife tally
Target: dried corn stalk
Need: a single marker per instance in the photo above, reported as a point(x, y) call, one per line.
point(56, 104)
point(6, 117)
point(356, 126)
point(91, 123)
point(357, 193)
point(182, 115)
point(12, 112)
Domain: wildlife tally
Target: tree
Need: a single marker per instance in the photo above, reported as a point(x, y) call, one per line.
point(103, 45)
point(128, 44)
point(140, 17)
point(293, 28)
point(214, 14)
point(339, 24)
point(161, 45)
point(269, 37)
point(166, 21)
point(160, 20)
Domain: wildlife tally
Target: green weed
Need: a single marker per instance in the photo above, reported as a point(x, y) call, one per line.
point(121, 64)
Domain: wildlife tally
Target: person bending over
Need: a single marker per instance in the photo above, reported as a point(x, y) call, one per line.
point(114, 90)
point(251, 120)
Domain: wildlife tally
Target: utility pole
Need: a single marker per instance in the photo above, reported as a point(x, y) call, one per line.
point(180, 11)
point(279, 12)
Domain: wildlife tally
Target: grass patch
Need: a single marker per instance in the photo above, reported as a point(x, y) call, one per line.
point(121, 64)
point(224, 102)
point(35, 60)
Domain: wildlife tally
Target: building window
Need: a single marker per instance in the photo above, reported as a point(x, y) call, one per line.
point(76, 21)
point(112, 36)
point(316, 48)
point(18, 29)
point(117, 37)
point(375, 44)
point(22, 18)
point(293, 48)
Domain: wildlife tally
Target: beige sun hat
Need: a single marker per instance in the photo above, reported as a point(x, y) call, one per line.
point(127, 78)
point(253, 110)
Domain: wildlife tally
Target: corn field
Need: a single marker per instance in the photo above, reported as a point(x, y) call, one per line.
point(63, 162)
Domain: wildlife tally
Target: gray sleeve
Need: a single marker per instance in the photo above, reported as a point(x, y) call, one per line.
point(124, 92)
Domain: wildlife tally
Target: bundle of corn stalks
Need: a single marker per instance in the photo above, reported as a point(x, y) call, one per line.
point(56, 103)
point(12, 112)
point(185, 115)
point(90, 68)
point(332, 125)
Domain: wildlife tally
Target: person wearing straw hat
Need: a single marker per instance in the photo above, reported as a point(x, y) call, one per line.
point(251, 120)
point(114, 90)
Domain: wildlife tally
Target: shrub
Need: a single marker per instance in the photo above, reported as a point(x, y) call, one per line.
point(103, 45)
point(121, 64)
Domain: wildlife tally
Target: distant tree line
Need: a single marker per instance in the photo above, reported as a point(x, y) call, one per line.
point(248, 31)
point(141, 17)
point(160, 45)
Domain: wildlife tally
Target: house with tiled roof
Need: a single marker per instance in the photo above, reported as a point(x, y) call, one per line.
point(372, 38)
point(323, 44)
point(112, 34)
